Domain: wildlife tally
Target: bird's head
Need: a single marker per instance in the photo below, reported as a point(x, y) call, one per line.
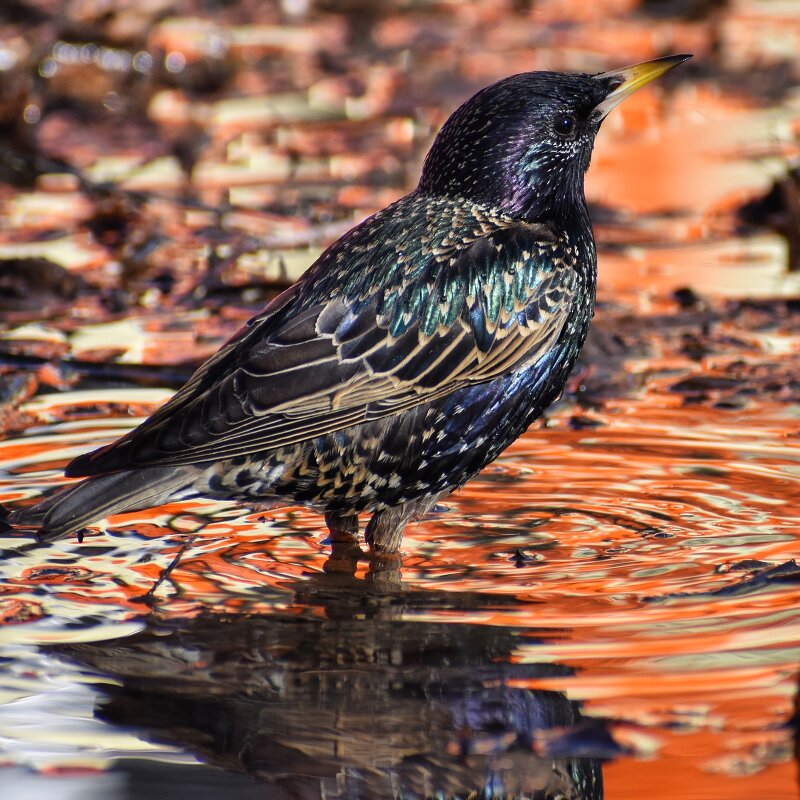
point(522, 145)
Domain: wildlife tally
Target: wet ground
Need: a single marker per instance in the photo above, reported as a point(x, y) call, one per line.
point(608, 611)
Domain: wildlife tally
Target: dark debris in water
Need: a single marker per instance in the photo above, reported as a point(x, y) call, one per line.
point(15, 388)
point(743, 382)
point(703, 384)
point(588, 739)
point(746, 371)
point(519, 558)
point(581, 422)
point(36, 284)
point(687, 298)
point(63, 373)
point(759, 578)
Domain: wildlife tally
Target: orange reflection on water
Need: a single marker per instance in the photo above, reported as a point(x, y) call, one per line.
point(631, 531)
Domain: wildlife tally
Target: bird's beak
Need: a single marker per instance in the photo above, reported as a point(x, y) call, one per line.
point(624, 82)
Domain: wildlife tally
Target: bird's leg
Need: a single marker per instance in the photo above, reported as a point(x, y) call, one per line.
point(384, 532)
point(384, 535)
point(345, 551)
point(342, 527)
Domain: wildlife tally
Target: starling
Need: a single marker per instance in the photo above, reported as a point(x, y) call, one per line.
point(411, 353)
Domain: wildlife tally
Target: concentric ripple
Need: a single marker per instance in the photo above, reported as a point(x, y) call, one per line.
point(641, 557)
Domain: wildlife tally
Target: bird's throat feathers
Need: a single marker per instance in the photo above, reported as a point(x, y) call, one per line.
point(542, 185)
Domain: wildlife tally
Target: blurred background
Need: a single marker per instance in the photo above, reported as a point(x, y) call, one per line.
point(608, 611)
point(153, 151)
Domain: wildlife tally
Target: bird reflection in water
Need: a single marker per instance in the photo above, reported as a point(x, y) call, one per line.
point(344, 695)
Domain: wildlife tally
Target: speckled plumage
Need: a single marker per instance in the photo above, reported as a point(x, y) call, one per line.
point(412, 352)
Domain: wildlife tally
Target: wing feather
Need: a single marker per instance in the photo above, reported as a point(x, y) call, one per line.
point(303, 369)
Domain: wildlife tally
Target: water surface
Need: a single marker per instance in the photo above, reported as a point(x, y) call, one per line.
point(608, 611)
point(613, 592)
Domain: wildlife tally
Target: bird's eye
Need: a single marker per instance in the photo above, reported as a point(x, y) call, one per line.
point(565, 124)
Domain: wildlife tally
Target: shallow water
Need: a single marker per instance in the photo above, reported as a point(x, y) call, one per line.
point(598, 594)
point(608, 611)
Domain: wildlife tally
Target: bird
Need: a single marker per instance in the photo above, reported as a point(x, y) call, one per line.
point(410, 354)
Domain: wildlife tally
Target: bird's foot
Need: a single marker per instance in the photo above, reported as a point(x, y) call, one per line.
point(343, 539)
point(385, 569)
point(344, 557)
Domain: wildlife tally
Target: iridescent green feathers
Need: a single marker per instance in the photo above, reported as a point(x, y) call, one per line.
point(428, 261)
point(419, 301)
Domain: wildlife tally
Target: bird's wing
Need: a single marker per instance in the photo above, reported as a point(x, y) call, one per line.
point(298, 371)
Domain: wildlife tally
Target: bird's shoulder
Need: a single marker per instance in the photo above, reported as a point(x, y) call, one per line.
point(421, 237)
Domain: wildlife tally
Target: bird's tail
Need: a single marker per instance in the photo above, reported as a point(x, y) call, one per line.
point(101, 496)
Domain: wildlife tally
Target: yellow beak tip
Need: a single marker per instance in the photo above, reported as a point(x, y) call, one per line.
point(624, 82)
